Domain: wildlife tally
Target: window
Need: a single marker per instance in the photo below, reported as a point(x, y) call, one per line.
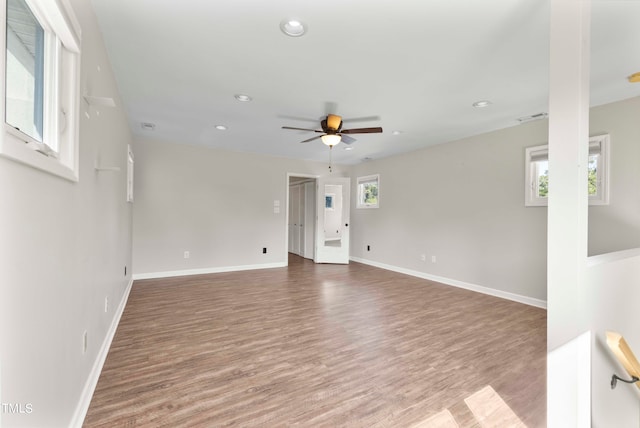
point(368, 191)
point(40, 92)
point(537, 173)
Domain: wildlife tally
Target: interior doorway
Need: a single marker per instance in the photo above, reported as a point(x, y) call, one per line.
point(301, 215)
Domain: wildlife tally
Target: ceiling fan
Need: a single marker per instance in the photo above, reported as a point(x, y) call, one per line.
point(332, 132)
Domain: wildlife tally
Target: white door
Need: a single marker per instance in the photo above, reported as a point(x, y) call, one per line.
point(332, 227)
point(309, 228)
point(294, 219)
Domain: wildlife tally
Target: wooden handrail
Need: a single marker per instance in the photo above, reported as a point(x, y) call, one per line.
point(623, 352)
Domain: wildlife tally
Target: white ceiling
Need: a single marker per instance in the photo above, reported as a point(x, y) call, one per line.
point(417, 65)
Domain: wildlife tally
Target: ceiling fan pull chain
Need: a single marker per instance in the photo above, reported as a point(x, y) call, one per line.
point(330, 150)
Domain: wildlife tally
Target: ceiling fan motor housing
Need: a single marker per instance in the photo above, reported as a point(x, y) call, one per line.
point(327, 128)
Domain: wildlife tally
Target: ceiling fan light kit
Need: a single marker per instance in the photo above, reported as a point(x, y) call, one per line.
point(634, 78)
point(331, 139)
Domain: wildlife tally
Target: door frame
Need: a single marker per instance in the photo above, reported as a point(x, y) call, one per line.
point(286, 214)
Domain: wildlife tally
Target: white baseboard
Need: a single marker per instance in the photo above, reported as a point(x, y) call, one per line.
point(460, 284)
point(92, 381)
point(168, 274)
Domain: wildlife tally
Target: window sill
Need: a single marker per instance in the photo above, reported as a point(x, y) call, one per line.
point(18, 151)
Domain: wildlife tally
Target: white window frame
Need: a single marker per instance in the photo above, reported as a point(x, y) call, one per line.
point(58, 153)
point(599, 144)
point(359, 185)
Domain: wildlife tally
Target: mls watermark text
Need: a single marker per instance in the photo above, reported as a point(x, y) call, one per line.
point(17, 408)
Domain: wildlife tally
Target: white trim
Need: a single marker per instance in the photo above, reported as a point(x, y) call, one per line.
point(460, 284)
point(612, 257)
point(92, 381)
point(186, 272)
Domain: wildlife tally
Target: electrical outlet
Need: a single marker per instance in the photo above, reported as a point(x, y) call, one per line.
point(186, 255)
point(106, 304)
point(423, 257)
point(433, 259)
point(84, 342)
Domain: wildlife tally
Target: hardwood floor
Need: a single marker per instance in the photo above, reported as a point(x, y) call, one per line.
point(316, 346)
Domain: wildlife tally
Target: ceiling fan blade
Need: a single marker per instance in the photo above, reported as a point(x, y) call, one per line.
point(311, 139)
point(362, 119)
point(330, 107)
point(300, 129)
point(304, 119)
point(362, 130)
point(346, 139)
point(334, 121)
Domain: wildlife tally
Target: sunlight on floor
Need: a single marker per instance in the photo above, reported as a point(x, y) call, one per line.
point(488, 408)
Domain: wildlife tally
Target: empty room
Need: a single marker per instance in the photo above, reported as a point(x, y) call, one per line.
point(319, 214)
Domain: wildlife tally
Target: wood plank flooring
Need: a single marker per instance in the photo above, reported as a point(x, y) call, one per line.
point(316, 346)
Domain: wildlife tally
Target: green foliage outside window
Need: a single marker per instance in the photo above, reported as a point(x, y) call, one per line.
point(543, 179)
point(543, 185)
point(370, 193)
point(593, 175)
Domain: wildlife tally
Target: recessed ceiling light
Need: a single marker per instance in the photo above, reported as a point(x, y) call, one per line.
point(221, 127)
point(243, 98)
point(148, 126)
point(481, 104)
point(293, 27)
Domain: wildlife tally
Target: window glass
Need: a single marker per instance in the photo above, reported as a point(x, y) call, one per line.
point(537, 173)
point(542, 178)
point(368, 191)
point(24, 70)
point(593, 174)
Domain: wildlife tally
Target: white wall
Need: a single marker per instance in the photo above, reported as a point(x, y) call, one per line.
point(63, 249)
point(216, 204)
point(463, 202)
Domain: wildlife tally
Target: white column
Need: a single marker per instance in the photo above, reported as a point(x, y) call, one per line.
point(568, 372)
